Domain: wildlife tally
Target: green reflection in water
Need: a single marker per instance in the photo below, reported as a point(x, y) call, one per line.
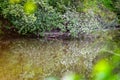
point(30, 59)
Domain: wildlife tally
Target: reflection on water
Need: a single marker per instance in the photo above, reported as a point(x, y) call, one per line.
point(31, 59)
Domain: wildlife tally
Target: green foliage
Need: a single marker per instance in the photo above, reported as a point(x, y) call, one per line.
point(83, 23)
point(3, 5)
point(64, 5)
point(112, 5)
point(30, 7)
point(38, 21)
point(112, 61)
point(76, 16)
point(107, 4)
point(60, 5)
point(90, 4)
point(14, 1)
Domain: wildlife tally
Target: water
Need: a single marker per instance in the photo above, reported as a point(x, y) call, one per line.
point(32, 59)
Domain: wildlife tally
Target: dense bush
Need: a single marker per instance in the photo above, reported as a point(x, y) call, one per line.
point(64, 5)
point(86, 23)
point(75, 16)
point(43, 19)
point(112, 5)
point(80, 23)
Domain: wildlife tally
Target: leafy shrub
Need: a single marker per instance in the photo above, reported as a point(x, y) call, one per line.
point(45, 15)
point(85, 23)
point(43, 19)
point(112, 5)
point(64, 5)
point(80, 23)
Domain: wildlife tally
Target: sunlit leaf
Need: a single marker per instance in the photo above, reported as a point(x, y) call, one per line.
point(14, 1)
point(72, 76)
point(30, 7)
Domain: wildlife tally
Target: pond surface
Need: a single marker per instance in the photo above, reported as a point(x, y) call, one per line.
point(33, 59)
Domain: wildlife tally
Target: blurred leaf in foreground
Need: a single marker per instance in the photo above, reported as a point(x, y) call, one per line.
point(72, 76)
point(30, 7)
point(51, 78)
point(102, 70)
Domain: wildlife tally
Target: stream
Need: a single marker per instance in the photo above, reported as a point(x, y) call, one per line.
point(35, 59)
